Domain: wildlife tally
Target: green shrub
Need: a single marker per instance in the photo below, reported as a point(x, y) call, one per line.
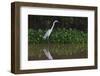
point(58, 35)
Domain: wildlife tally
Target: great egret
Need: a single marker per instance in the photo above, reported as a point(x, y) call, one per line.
point(46, 36)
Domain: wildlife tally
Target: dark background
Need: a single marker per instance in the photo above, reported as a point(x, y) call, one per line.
point(43, 22)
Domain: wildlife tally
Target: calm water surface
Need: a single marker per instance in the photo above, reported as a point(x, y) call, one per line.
point(58, 51)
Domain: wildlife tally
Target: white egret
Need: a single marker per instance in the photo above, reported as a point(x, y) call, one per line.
point(46, 36)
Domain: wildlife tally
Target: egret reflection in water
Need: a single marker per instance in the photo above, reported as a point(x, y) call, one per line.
point(57, 51)
point(47, 54)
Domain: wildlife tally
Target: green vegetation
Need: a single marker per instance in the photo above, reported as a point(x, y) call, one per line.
point(57, 36)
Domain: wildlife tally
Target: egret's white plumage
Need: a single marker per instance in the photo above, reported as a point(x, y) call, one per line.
point(47, 34)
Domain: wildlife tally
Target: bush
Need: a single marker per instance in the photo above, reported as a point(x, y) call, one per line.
point(58, 35)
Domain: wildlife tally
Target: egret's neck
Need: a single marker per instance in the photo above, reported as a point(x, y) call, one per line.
point(53, 25)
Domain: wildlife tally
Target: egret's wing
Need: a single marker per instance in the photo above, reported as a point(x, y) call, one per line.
point(47, 53)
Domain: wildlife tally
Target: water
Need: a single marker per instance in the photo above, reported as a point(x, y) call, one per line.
point(57, 51)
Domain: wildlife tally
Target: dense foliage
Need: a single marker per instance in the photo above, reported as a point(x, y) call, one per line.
point(57, 36)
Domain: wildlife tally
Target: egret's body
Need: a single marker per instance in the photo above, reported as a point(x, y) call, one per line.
point(46, 36)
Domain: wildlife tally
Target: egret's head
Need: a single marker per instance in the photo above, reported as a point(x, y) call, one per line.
point(56, 21)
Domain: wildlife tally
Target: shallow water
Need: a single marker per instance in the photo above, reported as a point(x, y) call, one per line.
point(58, 51)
